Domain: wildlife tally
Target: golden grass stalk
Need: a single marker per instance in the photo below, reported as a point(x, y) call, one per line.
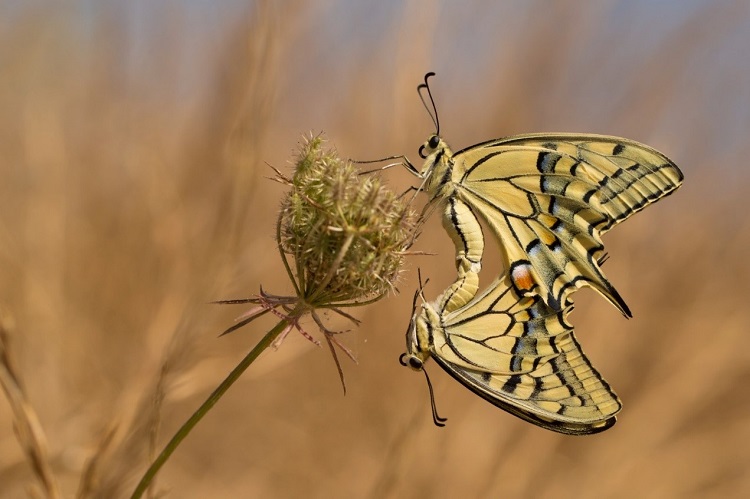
point(29, 431)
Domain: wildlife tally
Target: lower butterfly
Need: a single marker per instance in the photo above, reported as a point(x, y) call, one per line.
point(517, 353)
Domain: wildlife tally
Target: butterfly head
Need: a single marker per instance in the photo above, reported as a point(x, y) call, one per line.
point(432, 146)
point(435, 152)
point(416, 349)
point(418, 339)
point(417, 335)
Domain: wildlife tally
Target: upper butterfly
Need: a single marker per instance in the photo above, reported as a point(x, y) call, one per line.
point(548, 197)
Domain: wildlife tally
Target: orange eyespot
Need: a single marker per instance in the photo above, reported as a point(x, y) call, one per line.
point(522, 278)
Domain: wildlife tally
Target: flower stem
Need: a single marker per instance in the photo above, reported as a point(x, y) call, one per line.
point(206, 406)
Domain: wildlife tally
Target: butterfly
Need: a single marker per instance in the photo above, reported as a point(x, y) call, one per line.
point(519, 354)
point(548, 197)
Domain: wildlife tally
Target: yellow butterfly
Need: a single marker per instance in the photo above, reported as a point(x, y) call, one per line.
point(517, 353)
point(547, 197)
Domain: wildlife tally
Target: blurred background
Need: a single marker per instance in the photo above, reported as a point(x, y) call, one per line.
point(134, 138)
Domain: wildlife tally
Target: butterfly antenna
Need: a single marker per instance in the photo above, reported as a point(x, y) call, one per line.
point(432, 112)
point(439, 421)
point(436, 418)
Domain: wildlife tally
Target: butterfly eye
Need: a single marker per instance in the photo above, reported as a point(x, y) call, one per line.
point(431, 145)
point(407, 360)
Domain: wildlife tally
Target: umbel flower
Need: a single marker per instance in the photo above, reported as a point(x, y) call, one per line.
point(346, 236)
point(346, 231)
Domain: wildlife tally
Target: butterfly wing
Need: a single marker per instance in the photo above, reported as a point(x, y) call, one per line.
point(523, 357)
point(550, 197)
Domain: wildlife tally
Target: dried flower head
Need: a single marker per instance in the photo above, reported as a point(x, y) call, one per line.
point(347, 235)
point(346, 232)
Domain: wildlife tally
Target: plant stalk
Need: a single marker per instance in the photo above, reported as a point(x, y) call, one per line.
point(208, 404)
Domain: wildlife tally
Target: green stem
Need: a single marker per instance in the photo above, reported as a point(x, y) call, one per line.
point(207, 405)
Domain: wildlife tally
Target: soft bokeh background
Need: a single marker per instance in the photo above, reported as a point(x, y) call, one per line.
point(133, 143)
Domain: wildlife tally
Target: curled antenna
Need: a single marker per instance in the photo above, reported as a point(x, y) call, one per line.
point(432, 112)
point(414, 363)
point(439, 421)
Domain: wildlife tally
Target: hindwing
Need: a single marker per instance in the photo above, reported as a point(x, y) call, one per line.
point(522, 356)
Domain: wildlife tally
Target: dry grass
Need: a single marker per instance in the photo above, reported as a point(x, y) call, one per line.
point(133, 194)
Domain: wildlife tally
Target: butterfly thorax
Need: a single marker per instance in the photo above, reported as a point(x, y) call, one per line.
point(419, 337)
point(437, 170)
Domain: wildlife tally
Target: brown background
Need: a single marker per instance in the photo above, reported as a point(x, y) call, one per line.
point(132, 150)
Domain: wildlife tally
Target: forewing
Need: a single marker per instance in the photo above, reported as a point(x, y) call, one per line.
point(550, 197)
point(522, 356)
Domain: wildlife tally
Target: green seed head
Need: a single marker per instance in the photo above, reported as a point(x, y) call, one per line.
point(347, 232)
